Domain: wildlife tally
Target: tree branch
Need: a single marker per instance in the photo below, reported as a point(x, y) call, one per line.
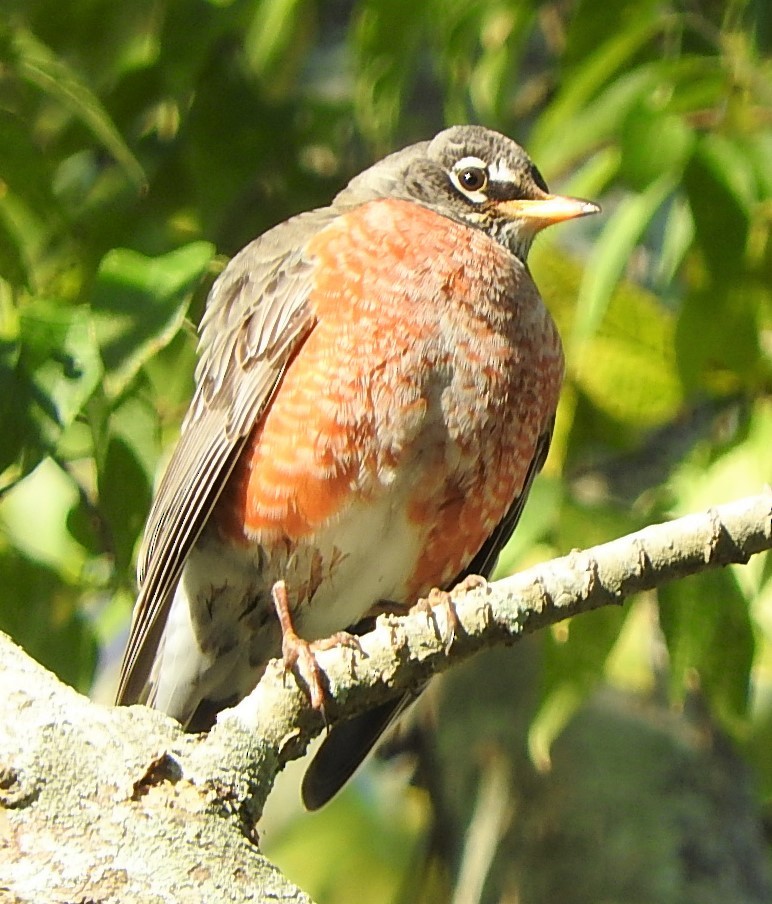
point(120, 804)
point(402, 652)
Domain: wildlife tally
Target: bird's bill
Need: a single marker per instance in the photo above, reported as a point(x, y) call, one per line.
point(541, 212)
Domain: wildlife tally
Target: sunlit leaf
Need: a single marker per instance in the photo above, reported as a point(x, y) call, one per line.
point(677, 238)
point(48, 374)
point(34, 515)
point(624, 380)
point(629, 368)
point(592, 125)
point(655, 143)
point(276, 42)
point(611, 254)
point(139, 303)
point(60, 356)
point(588, 80)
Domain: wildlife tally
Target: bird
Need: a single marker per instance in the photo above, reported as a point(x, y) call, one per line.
point(375, 391)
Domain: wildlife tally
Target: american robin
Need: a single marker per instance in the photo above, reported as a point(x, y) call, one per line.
point(375, 393)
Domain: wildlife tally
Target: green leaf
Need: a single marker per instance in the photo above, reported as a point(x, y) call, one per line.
point(25, 235)
point(502, 35)
point(587, 81)
point(655, 143)
point(139, 303)
point(625, 381)
point(40, 612)
point(14, 416)
point(594, 24)
point(29, 211)
point(41, 67)
point(611, 254)
point(575, 654)
point(46, 377)
point(125, 477)
point(276, 41)
point(717, 336)
point(385, 64)
point(709, 635)
point(720, 186)
point(33, 515)
point(60, 355)
point(628, 368)
point(757, 148)
point(677, 238)
point(592, 125)
point(657, 88)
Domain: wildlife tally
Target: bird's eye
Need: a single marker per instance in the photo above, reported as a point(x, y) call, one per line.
point(472, 178)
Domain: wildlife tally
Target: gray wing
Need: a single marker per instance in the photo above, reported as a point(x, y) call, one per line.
point(257, 315)
point(348, 743)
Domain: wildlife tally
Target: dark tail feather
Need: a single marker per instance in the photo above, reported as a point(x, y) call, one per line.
point(344, 749)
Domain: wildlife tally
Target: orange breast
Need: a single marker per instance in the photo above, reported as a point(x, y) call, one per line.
point(429, 353)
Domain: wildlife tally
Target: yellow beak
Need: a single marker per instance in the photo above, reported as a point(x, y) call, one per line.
point(547, 210)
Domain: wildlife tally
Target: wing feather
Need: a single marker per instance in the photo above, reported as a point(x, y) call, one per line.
point(257, 316)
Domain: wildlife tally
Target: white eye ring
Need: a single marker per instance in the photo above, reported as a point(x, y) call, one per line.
point(470, 176)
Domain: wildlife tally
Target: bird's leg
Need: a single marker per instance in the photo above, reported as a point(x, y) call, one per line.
point(295, 651)
point(298, 652)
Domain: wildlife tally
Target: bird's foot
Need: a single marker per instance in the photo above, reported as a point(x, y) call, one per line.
point(444, 600)
point(299, 653)
point(470, 582)
point(440, 599)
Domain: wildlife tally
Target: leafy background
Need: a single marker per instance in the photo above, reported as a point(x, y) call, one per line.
point(624, 756)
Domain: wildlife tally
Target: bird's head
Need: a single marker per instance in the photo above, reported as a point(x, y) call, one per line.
point(475, 176)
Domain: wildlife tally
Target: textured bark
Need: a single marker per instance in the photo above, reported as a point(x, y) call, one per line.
point(94, 808)
point(109, 805)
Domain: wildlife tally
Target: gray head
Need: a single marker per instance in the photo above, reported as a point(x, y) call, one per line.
point(472, 175)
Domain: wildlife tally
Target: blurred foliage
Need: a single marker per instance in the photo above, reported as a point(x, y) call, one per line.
point(135, 139)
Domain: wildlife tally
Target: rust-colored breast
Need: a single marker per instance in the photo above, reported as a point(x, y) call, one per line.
point(432, 365)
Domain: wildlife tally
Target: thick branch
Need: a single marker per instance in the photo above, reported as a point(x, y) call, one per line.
point(121, 805)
